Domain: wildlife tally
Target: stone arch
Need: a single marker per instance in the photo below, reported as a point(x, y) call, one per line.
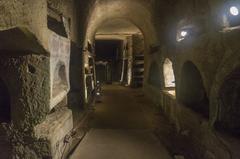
point(191, 91)
point(60, 79)
point(5, 103)
point(168, 72)
point(229, 100)
point(135, 12)
point(154, 75)
point(131, 34)
point(126, 20)
point(225, 72)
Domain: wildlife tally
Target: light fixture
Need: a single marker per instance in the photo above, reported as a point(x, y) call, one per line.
point(184, 33)
point(234, 11)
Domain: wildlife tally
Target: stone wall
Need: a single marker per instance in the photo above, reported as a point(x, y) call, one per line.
point(27, 79)
point(26, 61)
point(25, 13)
point(215, 54)
point(30, 67)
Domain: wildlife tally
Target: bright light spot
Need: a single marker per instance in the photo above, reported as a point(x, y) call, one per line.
point(98, 82)
point(184, 33)
point(172, 92)
point(98, 93)
point(168, 73)
point(234, 10)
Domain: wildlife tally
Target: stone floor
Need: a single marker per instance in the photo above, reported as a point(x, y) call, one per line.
point(121, 128)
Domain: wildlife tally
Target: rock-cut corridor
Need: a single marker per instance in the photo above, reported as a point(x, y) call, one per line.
point(170, 71)
point(121, 128)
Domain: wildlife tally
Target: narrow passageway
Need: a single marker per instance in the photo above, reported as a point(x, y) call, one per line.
point(121, 128)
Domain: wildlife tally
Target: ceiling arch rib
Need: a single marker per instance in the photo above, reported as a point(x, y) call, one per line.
point(131, 11)
point(117, 26)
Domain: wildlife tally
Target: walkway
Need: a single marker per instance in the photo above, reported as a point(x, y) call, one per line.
point(121, 128)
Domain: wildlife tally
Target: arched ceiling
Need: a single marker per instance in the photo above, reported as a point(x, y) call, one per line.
point(137, 12)
point(118, 26)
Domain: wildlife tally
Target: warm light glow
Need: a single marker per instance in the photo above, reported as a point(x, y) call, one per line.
point(234, 10)
point(172, 92)
point(98, 93)
point(169, 77)
point(184, 33)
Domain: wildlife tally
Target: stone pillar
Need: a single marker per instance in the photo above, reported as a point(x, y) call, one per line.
point(76, 94)
point(31, 74)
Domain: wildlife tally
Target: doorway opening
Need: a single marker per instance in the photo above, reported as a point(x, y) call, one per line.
point(108, 57)
point(191, 91)
point(120, 47)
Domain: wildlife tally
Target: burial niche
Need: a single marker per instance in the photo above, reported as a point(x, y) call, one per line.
point(60, 79)
point(5, 105)
point(169, 78)
point(229, 104)
point(191, 90)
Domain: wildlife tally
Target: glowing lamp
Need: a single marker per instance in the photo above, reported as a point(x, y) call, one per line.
point(184, 33)
point(234, 11)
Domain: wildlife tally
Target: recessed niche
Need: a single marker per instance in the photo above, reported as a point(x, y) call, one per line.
point(59, 67)
point(169, 78)
point(229, 104)
point(185, 32)
point(5, 104)
point(231, 16)
point(191, 90)
point(60, 79)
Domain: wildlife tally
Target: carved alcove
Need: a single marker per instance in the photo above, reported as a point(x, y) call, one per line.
point(230, 17)
point(5, 106)
point(169, 77)
point(192, 92)
point(5, 117)
point(59, 47)
point(229, 100)
point(60, 79)
point(59, 67)
point(58, 123)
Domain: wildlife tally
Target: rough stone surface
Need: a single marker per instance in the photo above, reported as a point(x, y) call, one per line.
point(29, 93)
point(53, 130)
point(212, 47)
point(121, 127)
point(29, 98)
point(59, 67)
